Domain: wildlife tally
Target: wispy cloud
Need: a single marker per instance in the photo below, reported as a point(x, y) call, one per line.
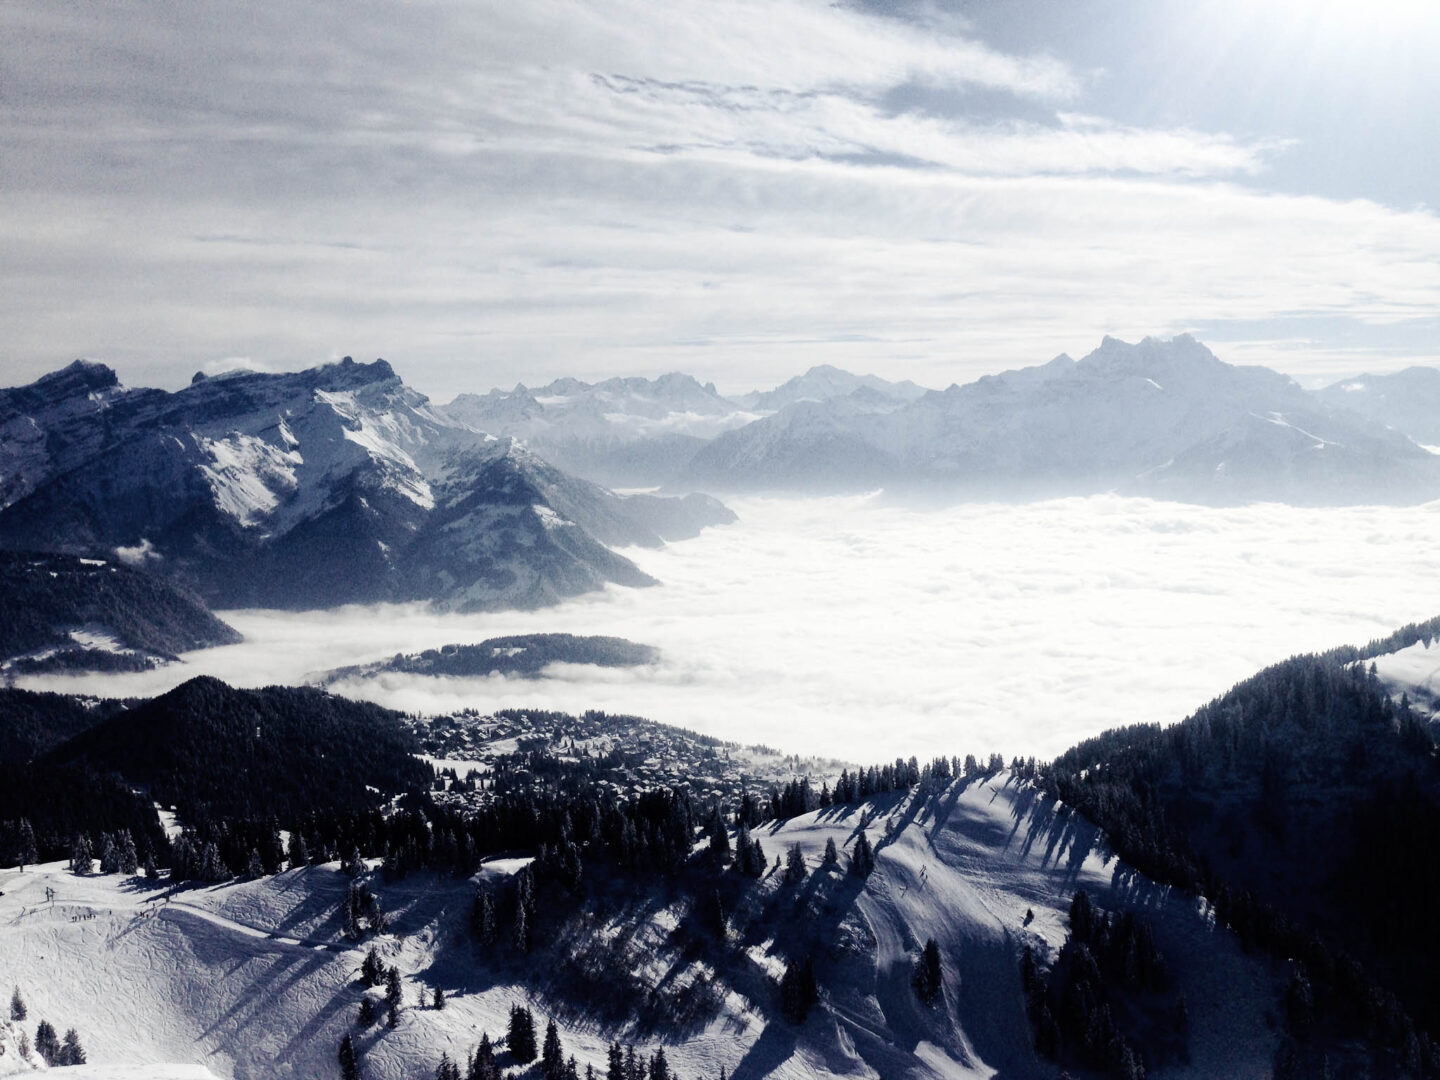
point(491, 193)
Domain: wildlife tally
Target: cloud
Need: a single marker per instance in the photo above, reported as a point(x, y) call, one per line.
point(848, 628)
point(494, 193)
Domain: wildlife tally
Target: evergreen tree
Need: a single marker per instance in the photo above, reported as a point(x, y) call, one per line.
point(719, 836)
point(520, 934)
point(151, 870)
point(862, 859)
point(27, 854)
point(447, 1069)
point(255, 868)
point(372, 969)
point(798, 990)
point(47, 1043)
point(552, 1057)
point(439, 1000)
point(795, 870)
point(482, 918)
point(367, 1011)
point(521, 1036)
point(298, 852)
point(82, 855)
point(109, 855)
point(928, 978)
point(129, 857)
point(18, 1012)
point(349, 1061)
point(615, 1063)
point(483, 1066)
point(394, 994)
point(71, 1052)
point(832, 856)
point(659, 1066)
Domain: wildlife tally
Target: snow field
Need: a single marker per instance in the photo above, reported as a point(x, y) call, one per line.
point(254, 980)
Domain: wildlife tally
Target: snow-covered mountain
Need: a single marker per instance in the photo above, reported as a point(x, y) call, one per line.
point(334, 485)
point(643, 432)
point(1408, 401)
point(824, 382)
point(257, 980)
point(628, 432)
point(1164, 418)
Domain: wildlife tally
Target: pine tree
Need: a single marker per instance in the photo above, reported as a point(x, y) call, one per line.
point(521, 1036)
point(367, 1011)
point(394, 995)
point(71, 1052)
point(862, 859)
point(795, 870)
point(82, 855)
point(447, 1069)
point(832, 856)
point(798, 990)
point(255, 868)
point(482, 918)
point(719, 837)
point(109, 855)
point(372, 969)
point(484, 1067)
point(18, 1012)
point(615, 1063)
point(28, 853)
point(928, 978)
point(47, 1043)
point(151, 870)
point(520, 934)
point(129, 857)
point(349, 1061)
point(552, 1058)
point(659, 1066)
point(439, 1000)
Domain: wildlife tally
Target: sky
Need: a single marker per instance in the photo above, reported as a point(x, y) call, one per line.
point(487, 193)
point(849, 628)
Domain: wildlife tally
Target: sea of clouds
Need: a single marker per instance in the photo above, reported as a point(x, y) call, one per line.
point(852, 628)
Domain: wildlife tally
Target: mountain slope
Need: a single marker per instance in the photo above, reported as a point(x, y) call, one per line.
point(308, 490)
point(258, 980)
point(67, 613)
point(1408, 401)
point(1304, 802)
point(207, 748)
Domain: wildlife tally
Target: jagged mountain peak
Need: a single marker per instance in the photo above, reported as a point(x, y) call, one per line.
point(79, 376)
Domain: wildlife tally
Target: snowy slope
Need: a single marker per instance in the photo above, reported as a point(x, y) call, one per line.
point(254, 979)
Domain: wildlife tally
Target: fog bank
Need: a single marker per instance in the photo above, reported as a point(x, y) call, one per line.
point(846, 627)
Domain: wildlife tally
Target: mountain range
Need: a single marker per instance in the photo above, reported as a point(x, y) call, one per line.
point(335, 485)
point(1161, 418)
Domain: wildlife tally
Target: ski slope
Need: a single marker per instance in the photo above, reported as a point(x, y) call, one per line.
point(255, 979)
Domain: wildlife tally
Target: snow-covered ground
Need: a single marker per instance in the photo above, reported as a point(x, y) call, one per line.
point(856, 630)
point(254, 980)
